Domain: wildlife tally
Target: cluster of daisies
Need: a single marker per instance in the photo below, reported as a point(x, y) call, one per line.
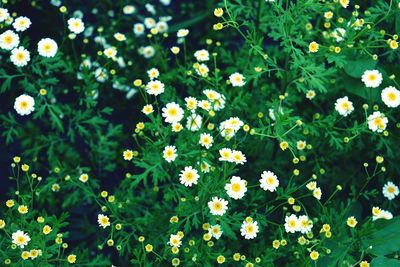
point(377, 121)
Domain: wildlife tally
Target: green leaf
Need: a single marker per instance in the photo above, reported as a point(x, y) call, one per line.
point(356, 64)
point(384, 262)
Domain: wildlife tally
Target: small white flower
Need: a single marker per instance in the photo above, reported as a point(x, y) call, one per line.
point(317, 193)
point(169, 153)
point(76, 25)
point(305, 224)
point(218, 206)
point(194, 122)
point(153, 73)
point(191, 103)
point(155, 87)
point(20, 56)
point(138, 29)
point(269, 181)
point(237, 79)
point(238, 157)
point(21, 24)
point(377, 122)
point(24, 105)
point(149, 23)
point(9, 40)
point(110, 52)
point(4, 14)
point(103, 220)
point(20, 238)
point(225, 154)
point(162, 26)
point(206, 140)
point(172, 112)
point(372, 78)
point(215, 231)
point(292, 224)
point(390, 190)
point(391, 97)
point(378, 213)
point(236, 188)
point(182, 33)
point(129, 10)
point(148, 109)
point(339, 34)
point(47, 47)
point(344, 106)
point(189, 176)
point(175, 241)
point(202, 55)
point(249, 229)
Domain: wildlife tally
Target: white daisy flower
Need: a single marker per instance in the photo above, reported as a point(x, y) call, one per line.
point(182, 33)
point(155, 87)
point(169, 153)
point(172, 112)
point(377, 122)
point(343, 106)
point(101, 75)
point(21, 24)
point(269, 181)
point(149, 23)
point(4, 14)
point(153, 73)
point(390, 190)
point(76, 25)
point(47, 47)
point(292, 224)
point(305, 224)
point(372, 78)
point(24, 105)
point(225, 154)
point(103, 220)
point(9, 40)
point(238, 157)
point(129, 9)
point(175, 241)
point(218, 206)
point(148, 51)
point(202, 70)
point(110, 52)
point(317, 193)
point(236, 188)
point(215, 231)
point(138, 29)
point(20, 56)
point(237, 79)
point(311, 185)
point(148, 109)
point(391, 97)
point(189, 176)
point(191, 103)
point(20, 238)
point(202, 55)
point(249, 229)
point(194, 122)
point(378, 213)
point(162, 26)
point(206, 140)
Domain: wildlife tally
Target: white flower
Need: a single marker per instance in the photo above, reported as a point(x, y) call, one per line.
point(182, 33)
point(202, 55)
point(153, 73)
point(310, 94)
point(76, 25)
point(269, 181)
point(311, 185)
point(174, 241)
point(390, 190)
point(172, 112)
point(194, 122)
point(191, 103)
point(339, 34)
point(238, 157)
point(9, 40)
point(169, 153)
point(148, 51)
point(378, 213)
point(344, 3)
point(20, 56)
point(372, 78)
point(205, 104)
point(110, 52)
point(343, 106)
point(292, 224)
point(155, 87)
point(47, 47)
point(249, 229)
point(4, 14)
point(202, 70)
point(20, 238)
point(237, 79)
point(206, 140)
point(189, 176)
point(129, 10)
point(24, 105)
point(148, 109)
point(101, 74)
point(21, 24)
point(120, 37)
point(236, 188)
point(218, 206)
point(138, 29)
point(215, 231)
point(391, 97)
point(305, 224)
point(162, 26)
point(317, 193)
point(377, 122)
point(225, 154)
point(149, 23)
point(103, 220)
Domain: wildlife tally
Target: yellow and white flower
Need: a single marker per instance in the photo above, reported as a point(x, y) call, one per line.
point(206, 140)
point(237, 79)
point(172, 112)
point(76, 25)
point(249, 229)
point(21, 24)
point(169, 153)
point(47, 47)
point(103, 220)
point(215, 231)
point(344, 106)
point(372, 78)
point(377, 122)
point(155, 87)
point(24, 105)
point(9, 40)
point(391, 97)
point(390, 190)
point(188, 176)
point(20, 56)
point(20, 238)
point(236, 188)
point(218, 206)
point(292, 224)
point(269, 181)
